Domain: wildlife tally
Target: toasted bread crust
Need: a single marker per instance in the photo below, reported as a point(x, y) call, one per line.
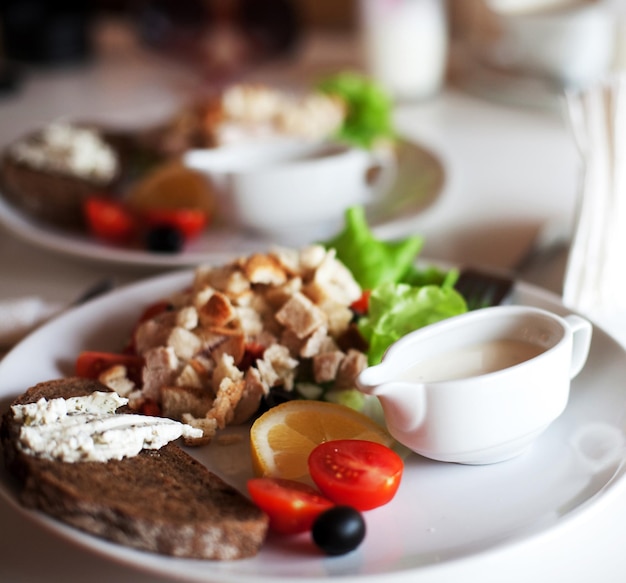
point(160, 501)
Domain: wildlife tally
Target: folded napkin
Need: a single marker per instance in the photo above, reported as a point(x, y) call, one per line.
point(595, 277)
point(19, 316)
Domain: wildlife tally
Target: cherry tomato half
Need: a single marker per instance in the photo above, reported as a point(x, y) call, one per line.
point(109, 219)
point(357, 473)
point(291, 506)
point(91, 364)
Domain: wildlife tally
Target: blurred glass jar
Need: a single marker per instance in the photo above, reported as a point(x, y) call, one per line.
point(406, 45)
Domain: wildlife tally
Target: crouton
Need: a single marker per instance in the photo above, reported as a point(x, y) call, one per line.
point(218, 341)
point(150, 334)
point(116, 378)
point(253, 392)
point(226, 400)
point(300, 315)
point(176, 401)
point(333, 281)
point(184, 343)
point(216, 311)
point(326, 365)
point(225, 369)
point(264, 269)
point(228, 279)
point(187, 318)
point(283, 365)
point(208, 426)
point(160, 369)
point(349, 368)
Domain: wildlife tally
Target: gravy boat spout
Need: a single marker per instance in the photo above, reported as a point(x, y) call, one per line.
point(403, 402)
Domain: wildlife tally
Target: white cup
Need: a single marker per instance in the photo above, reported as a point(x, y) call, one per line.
point(292, 192)
point(571, 43)
point(442, 401)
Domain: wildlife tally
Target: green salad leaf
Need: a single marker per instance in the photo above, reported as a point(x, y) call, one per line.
point(371, 261)
point(369, 108)
point(404, 297)
point(397, 309)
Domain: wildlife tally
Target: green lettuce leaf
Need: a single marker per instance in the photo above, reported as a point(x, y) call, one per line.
point(369, 108)
point(373, 262)
point(397, 309)
point(430, 275)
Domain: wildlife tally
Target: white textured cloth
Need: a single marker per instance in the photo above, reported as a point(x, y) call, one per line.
point(19, 316)
point(595, 278)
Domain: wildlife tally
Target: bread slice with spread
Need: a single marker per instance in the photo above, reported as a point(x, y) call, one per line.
point(160, 500)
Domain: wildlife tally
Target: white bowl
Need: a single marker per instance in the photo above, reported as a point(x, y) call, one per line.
point(473, 408)
point(291, 192)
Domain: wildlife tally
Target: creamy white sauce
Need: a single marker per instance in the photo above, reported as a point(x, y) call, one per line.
point(471, 361)
point(88, 429)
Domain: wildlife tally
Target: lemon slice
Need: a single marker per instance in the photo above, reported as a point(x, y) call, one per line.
point(282, 438)
point(172, 186)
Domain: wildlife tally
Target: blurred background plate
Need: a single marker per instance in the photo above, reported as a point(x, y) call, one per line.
point(419, 183)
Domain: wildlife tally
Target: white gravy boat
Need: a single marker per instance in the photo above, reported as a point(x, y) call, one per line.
point(481, 387)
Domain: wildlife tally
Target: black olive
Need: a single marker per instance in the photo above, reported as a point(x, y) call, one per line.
point(339, 530)
point(164, 239)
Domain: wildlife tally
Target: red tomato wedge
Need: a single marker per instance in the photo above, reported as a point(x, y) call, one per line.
point(190, 222)
point(357, 473)
point(91, 364)
point(109, 219)
point(291, 506)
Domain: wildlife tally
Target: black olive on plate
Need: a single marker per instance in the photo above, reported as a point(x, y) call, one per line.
point(164, 239)
point(339, 530)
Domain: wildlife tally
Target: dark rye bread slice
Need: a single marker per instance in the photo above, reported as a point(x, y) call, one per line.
point(160, 501)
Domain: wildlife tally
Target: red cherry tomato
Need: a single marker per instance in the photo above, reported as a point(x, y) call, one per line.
point(91, 364)
point(361, 306)
point(109, 219)
point(190, 222)
point(291, 506)
point(357, 473)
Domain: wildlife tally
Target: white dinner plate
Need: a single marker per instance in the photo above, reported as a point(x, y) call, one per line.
point(442, 512)
point(418, 184)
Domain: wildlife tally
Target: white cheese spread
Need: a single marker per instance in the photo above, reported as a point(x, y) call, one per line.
point(88, 429)
point(69, 150)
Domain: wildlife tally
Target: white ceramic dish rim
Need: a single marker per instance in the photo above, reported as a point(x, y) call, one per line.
point(288, 561)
